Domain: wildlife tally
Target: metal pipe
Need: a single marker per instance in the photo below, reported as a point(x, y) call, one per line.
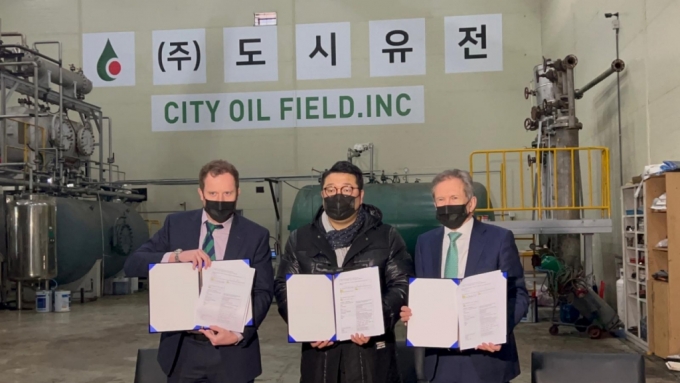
point(15, 34)
point(194, 181)
point(32, 128)
point(20, 296)
point(73, 190)
point(109, 159)
point(23, 115)
point(13, 164)
point(617, 66)
point(32, 51)
point(570, 97)
point(3, 110)
point(100, 127)
point(370, 147)
point(618, 96)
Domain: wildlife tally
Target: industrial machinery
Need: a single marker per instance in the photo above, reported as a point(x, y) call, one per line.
point(553, 117)
point(66, 222)
point(559, 191)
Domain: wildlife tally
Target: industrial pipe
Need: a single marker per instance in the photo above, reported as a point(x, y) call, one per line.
point(3, 123)
point(15, 34)
point(617, 66)
point(76, 191)
point(109, 159)
point(194, 181)
point(33, 51)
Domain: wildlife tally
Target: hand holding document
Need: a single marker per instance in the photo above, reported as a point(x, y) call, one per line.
point(225, 297)
point(330, 308)
point(483, 308)
point(178, 302)
point(461, 314)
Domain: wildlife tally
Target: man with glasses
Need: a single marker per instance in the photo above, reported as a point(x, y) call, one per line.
point(348, 235)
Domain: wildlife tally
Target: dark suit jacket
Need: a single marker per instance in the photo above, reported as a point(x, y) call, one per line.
point(247, 240)
point(491, 248)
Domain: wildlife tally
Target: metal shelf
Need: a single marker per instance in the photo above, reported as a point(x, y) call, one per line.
point(635, 308)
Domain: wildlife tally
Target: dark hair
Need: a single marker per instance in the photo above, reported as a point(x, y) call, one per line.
point(347, 168)
point(216, 168)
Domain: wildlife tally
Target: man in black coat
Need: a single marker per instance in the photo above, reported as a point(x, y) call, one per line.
point(348, 235)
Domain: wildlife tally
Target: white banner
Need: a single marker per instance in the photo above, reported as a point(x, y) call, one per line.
point(179, 57)
point(109, 58)
point(474, 43)
point(288, 109)
point(397, 47)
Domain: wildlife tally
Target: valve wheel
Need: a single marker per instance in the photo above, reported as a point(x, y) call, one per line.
point(527, 93)
point(528, 124)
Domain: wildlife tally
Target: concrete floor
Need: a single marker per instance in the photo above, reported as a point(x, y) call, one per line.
point(97, 343)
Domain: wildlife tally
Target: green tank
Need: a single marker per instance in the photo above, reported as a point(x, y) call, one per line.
point(408, 207)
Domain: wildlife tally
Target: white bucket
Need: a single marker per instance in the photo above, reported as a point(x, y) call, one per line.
point(62, 301)
point(43, 301)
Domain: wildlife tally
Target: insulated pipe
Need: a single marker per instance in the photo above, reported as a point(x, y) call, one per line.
point(617, 66)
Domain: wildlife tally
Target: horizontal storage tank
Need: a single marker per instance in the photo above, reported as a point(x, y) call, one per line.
point(408, 207)
point(81, 240)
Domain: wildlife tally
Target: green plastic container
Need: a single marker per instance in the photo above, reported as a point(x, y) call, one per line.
point(407, 207)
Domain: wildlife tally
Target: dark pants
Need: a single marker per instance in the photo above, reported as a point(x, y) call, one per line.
point(198, 362)
point(455, 368)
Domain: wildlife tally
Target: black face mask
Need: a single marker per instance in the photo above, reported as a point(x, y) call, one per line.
point(452, 216)
point(339, 207)
point(220, 211)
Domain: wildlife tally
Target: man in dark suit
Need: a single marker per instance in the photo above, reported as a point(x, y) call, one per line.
point(201, 236)
point(464, 247)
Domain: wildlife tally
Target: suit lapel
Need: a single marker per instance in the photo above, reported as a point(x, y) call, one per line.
point(437, 249)
point(235, 240)
point(476, 247)
point(193, 231)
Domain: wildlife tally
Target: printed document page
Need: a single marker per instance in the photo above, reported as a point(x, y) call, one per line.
point(482, 302)
point(311, 316)
point(358, 303)
point(225, 295)
point(434, 320)
point(173, 293)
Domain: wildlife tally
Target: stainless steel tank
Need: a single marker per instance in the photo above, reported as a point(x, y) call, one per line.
point(32, 236)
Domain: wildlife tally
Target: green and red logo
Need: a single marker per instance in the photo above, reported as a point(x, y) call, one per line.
point(108, 65)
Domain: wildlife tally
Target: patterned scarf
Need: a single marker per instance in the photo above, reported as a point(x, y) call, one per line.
point(344, 238)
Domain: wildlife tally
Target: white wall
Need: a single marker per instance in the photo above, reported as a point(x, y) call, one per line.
point(464, 112)
point(650, 92)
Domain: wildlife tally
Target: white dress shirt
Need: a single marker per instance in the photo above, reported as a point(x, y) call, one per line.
point(463, 244)
point(220, 238)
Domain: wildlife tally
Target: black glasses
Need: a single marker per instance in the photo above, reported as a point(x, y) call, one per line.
point(345, 190)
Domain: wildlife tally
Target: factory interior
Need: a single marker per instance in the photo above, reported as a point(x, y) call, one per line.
point(561, 110)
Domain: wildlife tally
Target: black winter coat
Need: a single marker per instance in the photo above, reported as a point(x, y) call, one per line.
point(376, 244)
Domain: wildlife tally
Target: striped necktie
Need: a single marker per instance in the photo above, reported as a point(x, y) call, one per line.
point(451, 268)
point(209, 241)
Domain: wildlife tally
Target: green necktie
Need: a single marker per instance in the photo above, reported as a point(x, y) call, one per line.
point(209, 242)
point(451, 267)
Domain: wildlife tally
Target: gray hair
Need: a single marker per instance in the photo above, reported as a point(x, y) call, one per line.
point(462, 175)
